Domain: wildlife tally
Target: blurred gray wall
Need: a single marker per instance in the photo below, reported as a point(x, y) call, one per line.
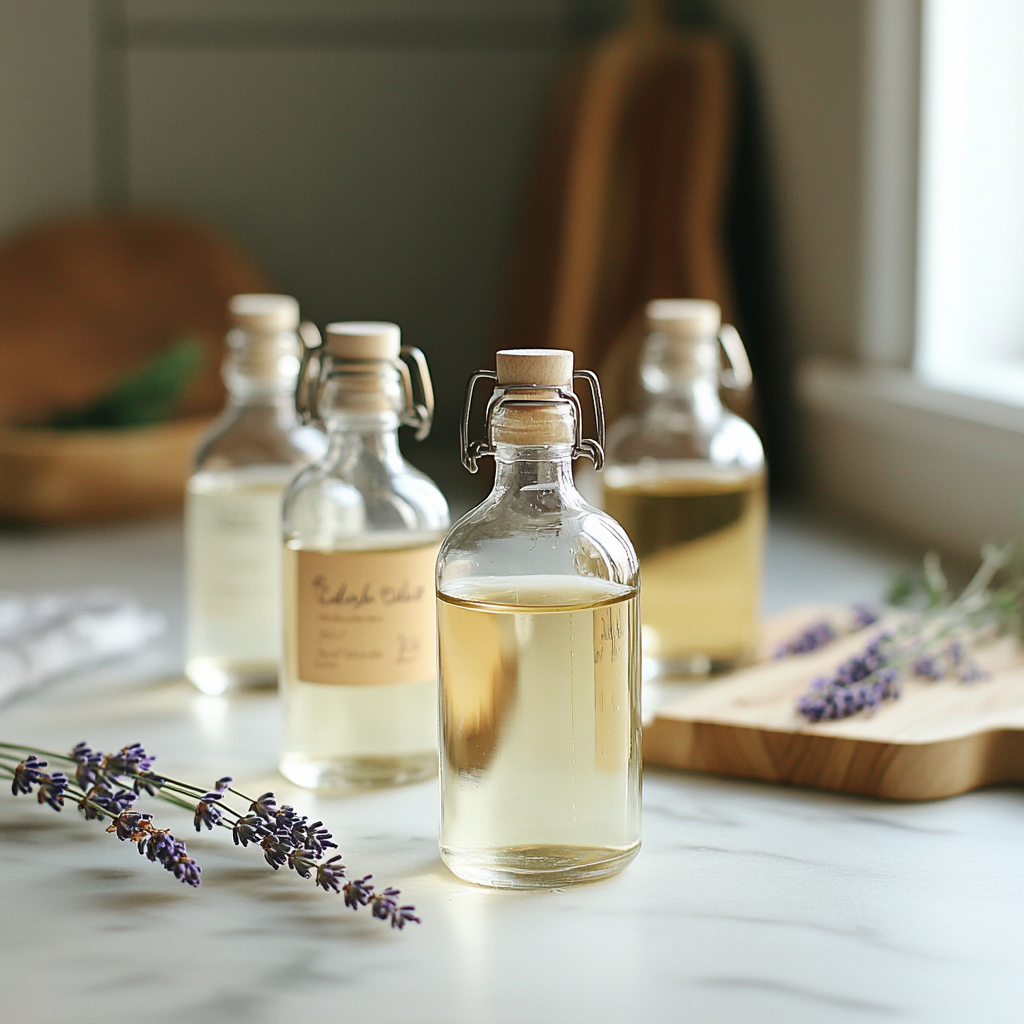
point(369, 152)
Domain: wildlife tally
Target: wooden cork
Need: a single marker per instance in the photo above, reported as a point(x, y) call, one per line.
point(549, 367)
point(363, 340)
point(526, 422)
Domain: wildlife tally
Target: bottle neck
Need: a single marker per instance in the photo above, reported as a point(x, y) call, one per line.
point(358, 437)
point(533, 469)
point(258, 394)
point(260, 369)
point(680, 376)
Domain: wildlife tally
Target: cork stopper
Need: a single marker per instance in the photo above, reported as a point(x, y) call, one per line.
point(684, 318)
point(263, 348)
point(265, 314)
point(363, 339)
point(547, 367)
point(523, 422)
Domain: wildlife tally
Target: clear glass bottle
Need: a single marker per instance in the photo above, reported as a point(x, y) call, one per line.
point(361, 532)
point(233, 501)
point(538, 651)
point(686, 478)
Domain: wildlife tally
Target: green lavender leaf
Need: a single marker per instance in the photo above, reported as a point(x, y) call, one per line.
point(145, 396)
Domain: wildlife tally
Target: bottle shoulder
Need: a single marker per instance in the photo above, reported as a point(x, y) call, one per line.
point(331, 504)
point(728, 441)
point(497, 540)
point(242, 437)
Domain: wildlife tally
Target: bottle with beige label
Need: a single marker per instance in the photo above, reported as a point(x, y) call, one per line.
point(686, 478)
point(538, 650)
point(233, 501)
point(361, 533)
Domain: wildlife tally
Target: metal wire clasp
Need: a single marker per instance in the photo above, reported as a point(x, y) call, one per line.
point(318, 366)
point(526, 394)
point(739, 376)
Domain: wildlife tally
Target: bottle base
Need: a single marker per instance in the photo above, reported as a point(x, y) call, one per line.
point(537, 867)
point(343, 773)
point(215, 676)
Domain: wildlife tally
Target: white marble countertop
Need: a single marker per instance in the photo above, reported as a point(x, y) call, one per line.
point(748, 903)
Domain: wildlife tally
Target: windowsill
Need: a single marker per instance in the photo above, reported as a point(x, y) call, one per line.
point(941, 467)
point(993, 381)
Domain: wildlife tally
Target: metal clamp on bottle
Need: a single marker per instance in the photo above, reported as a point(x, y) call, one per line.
point(531, 389)
point(359, 349)
point(738, 376)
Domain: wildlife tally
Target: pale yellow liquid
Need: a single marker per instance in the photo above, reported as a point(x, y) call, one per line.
point(701, 546)
point(540, 764)
point(233, 576)
point(339, 737)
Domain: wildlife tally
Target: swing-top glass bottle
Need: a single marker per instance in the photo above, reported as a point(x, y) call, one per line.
point(686, 478)
point(361, 533)
point(538, 650)
point(233, 501)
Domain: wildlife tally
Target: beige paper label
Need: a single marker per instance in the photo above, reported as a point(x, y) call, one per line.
point(366, 618)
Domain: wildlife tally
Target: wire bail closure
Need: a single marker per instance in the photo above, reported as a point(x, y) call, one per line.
point(318, 366)
point(738, 376)
point(514, 394)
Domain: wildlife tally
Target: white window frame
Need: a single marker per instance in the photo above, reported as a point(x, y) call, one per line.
point(906, 436)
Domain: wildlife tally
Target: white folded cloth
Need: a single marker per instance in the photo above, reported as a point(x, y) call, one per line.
point(45, 635)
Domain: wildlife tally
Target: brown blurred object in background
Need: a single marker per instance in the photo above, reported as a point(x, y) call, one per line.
point(628, 197)
point(84, 302)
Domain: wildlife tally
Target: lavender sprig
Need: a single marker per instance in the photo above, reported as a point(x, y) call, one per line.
point(107, 785)
point(825, 631)
point(932, 643)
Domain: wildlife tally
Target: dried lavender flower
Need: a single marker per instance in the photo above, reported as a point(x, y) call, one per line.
point(248, 829)
point(89, 765)
point(825, 631)
point(52, 789)
point(358, 892)
point(207, 813)
point(329, 875)
point(26, 774)
point(933, 643)
point(302, 862)
point(265, 806)
point(814, 636)
point(107, 785)
point(318, 839)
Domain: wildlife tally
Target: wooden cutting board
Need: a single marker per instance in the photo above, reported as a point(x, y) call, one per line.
point(938, 739)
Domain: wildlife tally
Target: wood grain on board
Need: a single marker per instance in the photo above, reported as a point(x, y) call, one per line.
point(938, 739)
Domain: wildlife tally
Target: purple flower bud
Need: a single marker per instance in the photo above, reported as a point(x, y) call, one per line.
point(52, 788)
point(275, 851)
point(929, 667)
point(358, 892)
point(318, 839)
point(207, 812)
point(130, 826)
point(265, 806)
point(128, 760)
point(329, 875)
point(863, 616)
point(26, 774)
point(248, 829)
point(302, 862)
point(89, 763)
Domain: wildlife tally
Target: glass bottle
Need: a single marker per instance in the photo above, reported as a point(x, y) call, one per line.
point(361, 533)
point(686, 478)
point(233, 501)
point(538, 650)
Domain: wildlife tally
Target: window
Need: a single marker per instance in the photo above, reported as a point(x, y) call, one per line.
point(970, 294)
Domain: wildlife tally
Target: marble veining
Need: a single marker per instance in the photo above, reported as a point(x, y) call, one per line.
point(748, 902)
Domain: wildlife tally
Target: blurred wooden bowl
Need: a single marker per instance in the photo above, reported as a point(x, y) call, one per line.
point(85, 301)
point(49, 477)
